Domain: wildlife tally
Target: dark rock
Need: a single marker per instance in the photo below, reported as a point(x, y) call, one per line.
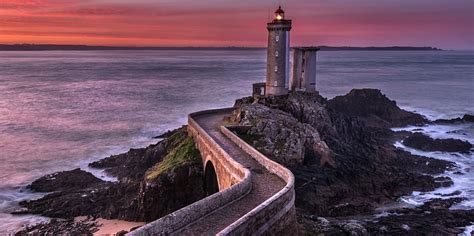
point(64, 180)
point(465, 119)
point(314, 225)
point(468, 118)
point(374, 108)
point(425, 143)
point(438, 203)
point(132, 165)
point(432, 218)
point(167, 134)
point(61, 227)
point(444, 181)
point(167, 186)
point(107, 200)
point(349, 209)
point(121, 233)
point(245, 100)
point(171, 191)
point(353, 228)
point(137, 196)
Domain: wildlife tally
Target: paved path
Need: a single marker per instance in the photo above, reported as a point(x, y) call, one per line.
point(264, 183)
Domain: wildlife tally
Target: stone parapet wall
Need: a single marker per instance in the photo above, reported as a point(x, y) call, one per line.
point(276, 214)
point(229, 171)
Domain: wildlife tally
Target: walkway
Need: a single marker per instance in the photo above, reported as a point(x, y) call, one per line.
point(264, 183)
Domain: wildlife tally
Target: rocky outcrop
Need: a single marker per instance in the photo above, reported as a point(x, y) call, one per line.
point(280, 135)
point(173, 183)
point(365, 170)
point(153, 181)
point(132, 165)
point(64, 180)
point(61, 227)
point(374, 108)
point(465, 119)
point(106, 200)
point(432, 218)
point(425, 143)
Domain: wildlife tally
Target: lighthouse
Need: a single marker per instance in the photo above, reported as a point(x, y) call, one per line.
point(278, 81)
point(278, 54)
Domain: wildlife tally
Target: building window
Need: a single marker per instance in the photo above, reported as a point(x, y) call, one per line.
point(276, 53)
point(276, 68)
point(277, 38)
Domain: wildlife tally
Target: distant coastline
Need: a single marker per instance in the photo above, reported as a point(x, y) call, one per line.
point(55, 47)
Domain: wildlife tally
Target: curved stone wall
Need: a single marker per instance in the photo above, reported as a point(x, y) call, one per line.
point(235, 173)
point(276, 215)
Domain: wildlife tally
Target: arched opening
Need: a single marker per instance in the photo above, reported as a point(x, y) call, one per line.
point(210, 179)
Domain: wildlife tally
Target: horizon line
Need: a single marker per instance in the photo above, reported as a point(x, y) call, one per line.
point(219, 47)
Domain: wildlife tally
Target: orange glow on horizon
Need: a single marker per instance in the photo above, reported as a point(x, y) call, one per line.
point(210, 23)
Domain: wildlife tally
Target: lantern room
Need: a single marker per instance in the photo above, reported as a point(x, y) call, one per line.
point(279, 14)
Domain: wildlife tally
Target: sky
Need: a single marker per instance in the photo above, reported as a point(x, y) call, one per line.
point(446, 24)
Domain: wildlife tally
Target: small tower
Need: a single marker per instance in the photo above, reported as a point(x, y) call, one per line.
point(304, 69)
point(278, 54)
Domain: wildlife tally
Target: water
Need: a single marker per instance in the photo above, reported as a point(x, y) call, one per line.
point(61, 110)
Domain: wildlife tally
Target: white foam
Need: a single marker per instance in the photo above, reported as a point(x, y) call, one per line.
point(462, 175)
point(431, 114)
point(11, 223)
point(467, 231)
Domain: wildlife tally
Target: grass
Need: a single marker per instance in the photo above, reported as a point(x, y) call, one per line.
point(183, 154)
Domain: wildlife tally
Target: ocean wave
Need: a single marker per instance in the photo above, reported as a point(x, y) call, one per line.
point(462, 175)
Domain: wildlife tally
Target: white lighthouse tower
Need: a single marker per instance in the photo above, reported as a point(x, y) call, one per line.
point(278, 54)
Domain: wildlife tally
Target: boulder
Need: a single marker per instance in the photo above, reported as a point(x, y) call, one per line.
point(374, 108)
point(423, 142)
point(64, 181)
point(465, 119)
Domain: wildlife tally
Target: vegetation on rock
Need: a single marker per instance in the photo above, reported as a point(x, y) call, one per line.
point(185, 153)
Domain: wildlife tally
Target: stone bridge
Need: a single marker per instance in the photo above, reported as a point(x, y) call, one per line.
point(248, 194)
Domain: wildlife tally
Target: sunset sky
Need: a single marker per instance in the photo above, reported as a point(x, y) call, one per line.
point(447, 24)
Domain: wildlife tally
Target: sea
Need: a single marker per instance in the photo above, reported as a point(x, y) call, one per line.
point(63, 109)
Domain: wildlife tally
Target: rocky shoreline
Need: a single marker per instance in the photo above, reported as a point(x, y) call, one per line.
point(340, 151)
point(152, 182)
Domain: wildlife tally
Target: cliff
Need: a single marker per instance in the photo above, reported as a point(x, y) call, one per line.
point(342, 155)
point(153, 182)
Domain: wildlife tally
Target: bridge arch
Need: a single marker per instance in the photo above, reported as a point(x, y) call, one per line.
point(211, 184)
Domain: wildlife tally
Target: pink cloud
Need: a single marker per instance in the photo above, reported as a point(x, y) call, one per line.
point(216, 23)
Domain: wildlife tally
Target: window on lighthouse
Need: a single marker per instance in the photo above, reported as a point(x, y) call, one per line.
point(277, 38)
point(276, 68)
point(276, 53)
